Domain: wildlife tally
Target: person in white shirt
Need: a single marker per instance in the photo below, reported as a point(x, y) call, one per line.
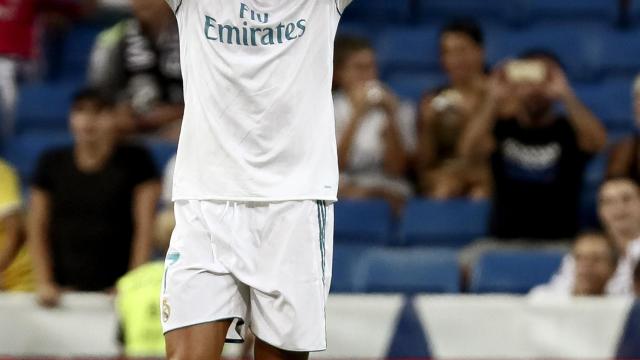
point(255, 177)
point(619, 212)
point(375, 131)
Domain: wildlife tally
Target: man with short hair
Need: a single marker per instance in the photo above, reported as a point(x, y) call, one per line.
point(596, 259)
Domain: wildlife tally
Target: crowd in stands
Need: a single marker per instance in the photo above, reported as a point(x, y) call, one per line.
point(515, 134)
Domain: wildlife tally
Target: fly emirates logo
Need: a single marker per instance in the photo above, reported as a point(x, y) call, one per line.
point(251, 33)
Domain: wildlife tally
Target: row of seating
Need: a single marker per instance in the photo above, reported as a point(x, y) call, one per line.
point(587, 50)
point(360, 269)
point(514, 12)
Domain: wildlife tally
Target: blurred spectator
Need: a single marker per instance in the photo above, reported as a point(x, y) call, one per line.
point(137, 302)
point(636, 280)
point(374, 131)
point(139, 59)
point(625, 155)
point(596, 260)
point(538, 155)
point(18, 44)
point(15, 265)
point(445, 113)
point(92, 205)
point(619, 211)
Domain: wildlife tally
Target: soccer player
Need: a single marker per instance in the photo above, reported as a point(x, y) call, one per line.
point(255, 177)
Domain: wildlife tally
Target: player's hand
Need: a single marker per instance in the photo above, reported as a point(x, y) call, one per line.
point(48, 294)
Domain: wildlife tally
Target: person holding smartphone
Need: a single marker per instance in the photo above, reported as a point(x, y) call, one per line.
point(538, 154)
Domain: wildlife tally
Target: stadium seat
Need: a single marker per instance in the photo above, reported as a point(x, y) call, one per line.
point(570, 9)
point(412, 86)
point(574, 48)
point(362, 222)
point(378, 11)
point(506, 11)
point(513, 271)
point(44, 106)
point(77, 51)
point(23, 151)
point(452, 223)
point(346, 261)
point(408, 49)
point(410, 270)
point(610, 100)
point(619, 53)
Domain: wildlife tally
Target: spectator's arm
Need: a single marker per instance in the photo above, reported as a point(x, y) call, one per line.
point(591, 135)
point(427, 141)
point(477, 140)
point(145, 200)
point(360, 107)
point(13, 240)
point(38, 240)
point(621, 158)
point(105, 71)
point(160, 115)
point(395, 157)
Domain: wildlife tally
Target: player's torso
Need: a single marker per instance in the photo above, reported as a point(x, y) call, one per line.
point(257, 77)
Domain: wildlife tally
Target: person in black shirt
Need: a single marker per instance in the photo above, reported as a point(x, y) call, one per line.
point(538, 155)
point(92, 206)
point(139, 60)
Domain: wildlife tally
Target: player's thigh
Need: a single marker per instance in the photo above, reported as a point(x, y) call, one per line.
point(196, 342)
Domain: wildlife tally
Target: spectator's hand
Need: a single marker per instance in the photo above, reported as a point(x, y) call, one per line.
point(48, 294)
point(359, 100)
point(389, 101)
point(558, 87)
point(498, 87)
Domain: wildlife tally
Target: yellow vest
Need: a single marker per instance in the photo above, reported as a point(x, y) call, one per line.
point(19, 275)
point(138, 305)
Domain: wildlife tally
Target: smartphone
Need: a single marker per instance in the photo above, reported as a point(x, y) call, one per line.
point(526, 71)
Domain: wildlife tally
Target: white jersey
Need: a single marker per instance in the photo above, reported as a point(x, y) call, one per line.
point(259, 119)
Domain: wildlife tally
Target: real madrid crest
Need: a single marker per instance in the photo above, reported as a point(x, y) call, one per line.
point(166, 310)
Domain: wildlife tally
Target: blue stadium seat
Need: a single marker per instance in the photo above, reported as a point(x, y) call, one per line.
point(363, 222)
point(570, 9)
point(574, 47)
point(619, 52)
point(77, 51)
point(408, 49)
point(44, 107)
point(411, 270)
point(412, 86)
point(513, 271)
point(610, 100)
point(346, 260)
point(161, 151)
point(24, 150)
point(378, 11)
point(506, 11)
point(452, 223)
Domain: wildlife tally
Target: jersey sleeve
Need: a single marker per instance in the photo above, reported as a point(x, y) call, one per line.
point(174, 4)
point(342, 4)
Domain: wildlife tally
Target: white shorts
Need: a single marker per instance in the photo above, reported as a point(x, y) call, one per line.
point(266, 264)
